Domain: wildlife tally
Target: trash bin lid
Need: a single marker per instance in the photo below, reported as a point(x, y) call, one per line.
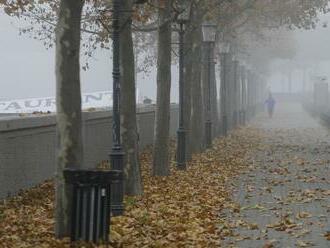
point(92, 176)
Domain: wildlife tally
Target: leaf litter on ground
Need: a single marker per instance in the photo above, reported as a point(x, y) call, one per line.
point(181, 210)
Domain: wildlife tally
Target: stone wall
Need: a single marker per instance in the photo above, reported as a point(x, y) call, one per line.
point(27, 145)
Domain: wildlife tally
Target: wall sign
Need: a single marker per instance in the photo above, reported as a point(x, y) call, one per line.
point(100, 99)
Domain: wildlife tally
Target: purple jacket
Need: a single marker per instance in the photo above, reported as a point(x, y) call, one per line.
point(270, 102)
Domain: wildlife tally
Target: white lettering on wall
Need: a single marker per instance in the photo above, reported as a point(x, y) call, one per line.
point(100, 99)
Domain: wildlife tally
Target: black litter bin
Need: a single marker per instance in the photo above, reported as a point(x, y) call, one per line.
point(90, 213)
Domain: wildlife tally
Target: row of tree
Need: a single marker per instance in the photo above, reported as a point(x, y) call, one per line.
point(147, 32)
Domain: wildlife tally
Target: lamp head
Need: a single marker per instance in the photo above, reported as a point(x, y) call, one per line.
point(209, 32)
point(224, 47)
point(140, 1)
point(184, 15)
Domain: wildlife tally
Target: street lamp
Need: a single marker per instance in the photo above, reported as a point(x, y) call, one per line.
point(117, 153)
point(209, 36)
point(182, 21)
point(224, 56)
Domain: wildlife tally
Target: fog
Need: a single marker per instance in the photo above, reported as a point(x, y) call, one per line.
point(248, 168)
point(27, 68)
point(312, 53)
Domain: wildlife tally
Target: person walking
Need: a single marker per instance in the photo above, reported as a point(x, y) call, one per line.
point(270, 103)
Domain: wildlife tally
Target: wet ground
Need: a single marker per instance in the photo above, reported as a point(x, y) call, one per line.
point(284, 198)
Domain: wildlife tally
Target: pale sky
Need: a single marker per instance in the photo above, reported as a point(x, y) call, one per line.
point(27, 68)
point(313, 50)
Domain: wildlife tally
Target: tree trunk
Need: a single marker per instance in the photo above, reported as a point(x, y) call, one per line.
point(129, 132)
point(160, 165)
point(230, 99)
point(224, 91)
point(197, 120)
point(68, 103)
point(205, 76)
point(304, 80)
point(289, 82)
point(254, 94)
point(283, 82)
point(214, 102)
point(236, 93)
point(188, 77)
point(250, 85)
point(244, 90)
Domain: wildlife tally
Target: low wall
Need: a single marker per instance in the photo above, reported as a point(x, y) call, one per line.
point(27, 145)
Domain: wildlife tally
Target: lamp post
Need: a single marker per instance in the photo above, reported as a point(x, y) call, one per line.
point(182, 21)
point(224, 56)
point(209, 36)
point(117, 153)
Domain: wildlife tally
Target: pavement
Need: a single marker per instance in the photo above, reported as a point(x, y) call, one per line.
point(283, 199)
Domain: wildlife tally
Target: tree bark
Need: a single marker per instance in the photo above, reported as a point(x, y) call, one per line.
point(244, 97)
point(160, 165)
point(249, 94)
point(214, 98)
point(231, 93)
point(304, 80)
point(197, 120)
point(68, 103)
point(289, 82)
point(224, 92)
point(129, 131)
point(189, 54)
point(236, 93)
point(204, 83)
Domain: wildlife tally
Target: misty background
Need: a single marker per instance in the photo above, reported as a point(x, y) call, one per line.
point(27, 67)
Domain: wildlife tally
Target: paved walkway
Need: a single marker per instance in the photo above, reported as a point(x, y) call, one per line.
point(284, 198)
